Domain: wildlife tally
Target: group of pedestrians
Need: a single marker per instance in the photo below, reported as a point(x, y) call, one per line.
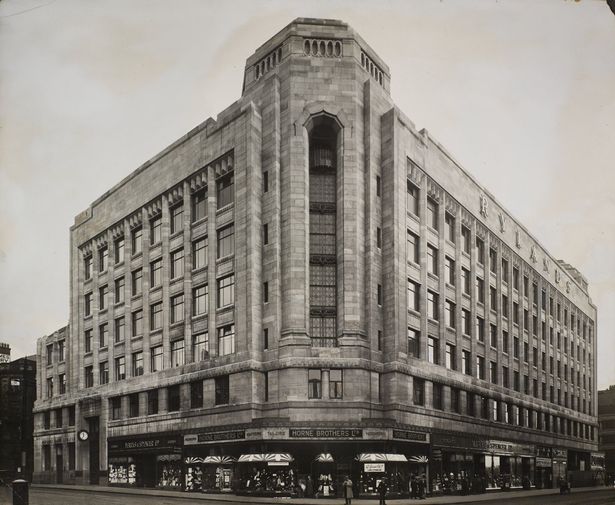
point(417, 487)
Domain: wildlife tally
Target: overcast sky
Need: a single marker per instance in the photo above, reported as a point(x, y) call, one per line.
point(522, 93)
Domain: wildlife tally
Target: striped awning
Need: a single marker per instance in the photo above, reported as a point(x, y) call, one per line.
point(324, 457)
point(265, 458)
point(219, 460)
point(418, 459)
point(373, 457)
point(193, 460)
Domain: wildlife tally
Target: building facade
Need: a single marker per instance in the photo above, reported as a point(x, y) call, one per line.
point(17, 395)
point(606, 420)
point(308, 287)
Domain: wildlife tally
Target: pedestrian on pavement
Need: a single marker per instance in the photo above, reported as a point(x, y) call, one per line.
point(347, 487)
point(414, 487)
point(382, 491)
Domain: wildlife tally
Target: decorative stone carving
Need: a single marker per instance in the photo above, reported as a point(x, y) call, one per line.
point(270, 61)
point(371, 67)
point(533, 254)
point(545, 264)
point(176, 195)
point(484, 206)
point(223, 165)
point(503, 219)
point(415, 174)
point(518, 239)
point(135, 220)
point(323, 48)
point(154, 208)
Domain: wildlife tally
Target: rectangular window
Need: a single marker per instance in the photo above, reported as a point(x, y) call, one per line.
point(177, 219)
point(266, 385)
point(199, 253)
point(336, 384)
point(455, 403)
point(47, 420)
point(49, 354)
point(120, 368)
point(103, 334)
point(466, 239)
point(314, 384)
point(432, 305)
point(222, 390)
point(432, 259)
point(450, 357)
point(515, 313)
point(493, 298)
point(449, 224)
point(88, 340)
point(87, 304)
point(133, 405)
point(157, 359)
point(412, 198)
point(152, 402)
point(177, 308)
point(465, 281)
point(199, 205)
point(200, 346)
point(137, 363)
point(118, 248)
point(226, 291)
point(103, 372)
point(516, 381)
point(412, 247)
point(379, 237)
point(88, 373)
point(103, 259)
point(225, 194)
point(136, 240)
point(49, 387)
point(265, 181)
point(414, 339)
point(480, 329)
point(516, 278)
point(418, 391)
point(466, 325)
point(493, 261)
point(226, 241)
point(480, 367)
point(471, 404)
point(378, 186)
point(480, 290)
point(449, 266)
point(155, 230)
point(433, 350)
point(200, 300)
point(466, 362)
point(493, 334)
point(437, 396)
point(119, 329)
point(413, 295)
point(137, 282)
point(493, 372)
point(504, 270)
point(196, 394)
point(265, 339)
point(265, 292)
point(116, 407)
point(449, 314)
point(119, 289)
point(103, 291)
point(87, 267)
point(71, 455)
point(226, 340)
point(173, 398)
point(155, 277)
point(178, 356)
point(265, 233)
point(505, 306)
point(516, 347)
point(177, 263)
point(480, 251)
point(62, 383)
point(432, 213)
point(155, 316)
point(484, 407)
point(379, 294)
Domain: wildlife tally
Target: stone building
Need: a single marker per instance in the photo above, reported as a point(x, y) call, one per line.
point(17, 395)
point(308, 287)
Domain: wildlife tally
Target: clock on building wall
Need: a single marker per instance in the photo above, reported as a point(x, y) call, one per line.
point(83, 435)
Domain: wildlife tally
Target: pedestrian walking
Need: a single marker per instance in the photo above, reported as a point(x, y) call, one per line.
point(414, 488)
point(382, 491)
point(347, 486)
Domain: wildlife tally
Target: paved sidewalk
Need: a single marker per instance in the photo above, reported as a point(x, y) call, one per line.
point(311, 501)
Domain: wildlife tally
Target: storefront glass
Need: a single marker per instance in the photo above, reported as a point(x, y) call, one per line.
point(122, 471)
point(375, 467)
point(209, 474)
point(169, 471)
point(267, 474)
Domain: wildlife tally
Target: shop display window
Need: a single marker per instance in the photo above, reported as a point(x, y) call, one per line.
point(122, 471)
point(209, 474)
point(267, 474)
point(169, 471)
point(375, 467)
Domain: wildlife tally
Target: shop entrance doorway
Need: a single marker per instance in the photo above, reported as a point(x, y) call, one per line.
point(59, 465)
point(146, 470)
point(94, 443)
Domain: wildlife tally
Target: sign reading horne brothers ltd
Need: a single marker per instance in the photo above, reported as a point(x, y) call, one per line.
point(319, 433)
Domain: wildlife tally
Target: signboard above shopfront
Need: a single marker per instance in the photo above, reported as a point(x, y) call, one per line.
point(162, 443)
point(483, 445)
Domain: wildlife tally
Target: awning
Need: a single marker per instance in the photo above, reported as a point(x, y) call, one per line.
point(371, 457)
point(418, 459)
point(266, 458)
point(219, 460)
point(324, 458)
point(168, 457)
point(192, 461)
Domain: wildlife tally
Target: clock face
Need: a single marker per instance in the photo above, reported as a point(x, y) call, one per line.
point(83, 435)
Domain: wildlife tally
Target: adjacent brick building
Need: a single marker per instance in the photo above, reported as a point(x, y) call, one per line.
point(17, 395)
point(308, 287)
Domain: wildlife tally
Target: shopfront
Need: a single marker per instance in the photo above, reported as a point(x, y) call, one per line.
point(267, 474)
point(374, 467)
point(209, 474)
point(462, 465)
point(151, 461)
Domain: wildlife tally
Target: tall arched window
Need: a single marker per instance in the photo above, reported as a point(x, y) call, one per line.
point(323, 268)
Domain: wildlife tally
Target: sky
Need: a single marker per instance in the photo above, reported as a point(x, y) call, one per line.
point(522, 93)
